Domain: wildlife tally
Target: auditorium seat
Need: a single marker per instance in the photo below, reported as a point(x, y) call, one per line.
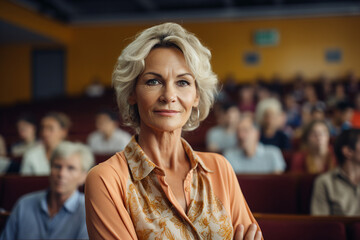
point(99, 158)
point(287, 155)
point(16, 186)
point(354, 231)
point(269, 193)
point(306, 182)
point(302, 229)
point(3, 218)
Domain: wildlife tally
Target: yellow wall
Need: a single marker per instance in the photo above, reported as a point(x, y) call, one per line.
point(301, 48)
point(15, 73)
point(92, 50)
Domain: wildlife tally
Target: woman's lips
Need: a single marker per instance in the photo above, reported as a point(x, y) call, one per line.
point(166, 113)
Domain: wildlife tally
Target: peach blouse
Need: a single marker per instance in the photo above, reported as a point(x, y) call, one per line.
point(127, 197)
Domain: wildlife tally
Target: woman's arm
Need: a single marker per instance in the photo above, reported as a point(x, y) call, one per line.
point(106, 214)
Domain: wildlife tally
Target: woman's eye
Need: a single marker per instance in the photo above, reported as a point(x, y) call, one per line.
point(152, 82)
point(183, 83)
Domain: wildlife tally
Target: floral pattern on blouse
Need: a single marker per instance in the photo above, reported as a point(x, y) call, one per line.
point(155, 217)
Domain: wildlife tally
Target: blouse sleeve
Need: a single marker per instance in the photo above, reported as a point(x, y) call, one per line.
point(106, 214)
point(240, 211)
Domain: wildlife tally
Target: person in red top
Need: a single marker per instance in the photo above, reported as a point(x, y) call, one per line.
point(316, 155)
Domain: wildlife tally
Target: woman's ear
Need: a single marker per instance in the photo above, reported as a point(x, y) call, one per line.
point(197, 100)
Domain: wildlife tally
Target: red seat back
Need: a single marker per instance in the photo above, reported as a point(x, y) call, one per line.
point(354, 231)
point(302, 230)
point(270, 193)
point(16, 186)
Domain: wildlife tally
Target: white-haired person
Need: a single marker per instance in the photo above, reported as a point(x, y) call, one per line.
point(54, 130)
point(59, 212)
point(158, 187)
point(269, 117)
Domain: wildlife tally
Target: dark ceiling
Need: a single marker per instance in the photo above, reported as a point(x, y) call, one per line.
point(108, 11)
point(84, 11)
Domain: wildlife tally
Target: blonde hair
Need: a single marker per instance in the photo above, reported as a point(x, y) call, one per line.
point(67, 149)
point(265, 105)
point(131, 63)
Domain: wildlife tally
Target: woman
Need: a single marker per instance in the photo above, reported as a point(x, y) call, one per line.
point(54, 129)
point(316, 156)
point(26, 126)
point(158, 187)
point(270, 118)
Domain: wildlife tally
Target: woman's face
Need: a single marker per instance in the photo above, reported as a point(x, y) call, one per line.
point(26, 130)
point(165, 92)
point(51, 132)
point(319, 136)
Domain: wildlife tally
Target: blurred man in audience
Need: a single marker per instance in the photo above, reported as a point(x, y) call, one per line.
point(57, 213)
point(251, 156)
point(341, 118)
point(54, 129)
point(223, 135)
point(26, 127)
point(108, 139)
point(338, 192)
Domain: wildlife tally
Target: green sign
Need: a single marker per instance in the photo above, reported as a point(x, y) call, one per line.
point(268, 37)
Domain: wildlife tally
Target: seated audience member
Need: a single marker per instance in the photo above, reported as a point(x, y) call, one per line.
point(341, 118)
point(54, 129)
point(108, 139)
point(247, 99)
point(251, 156)
point(26, 127)
point(311, 98)
point(338, 192)
point(269, 118)
point(316, 155)
point(3, 151)
point(355, 121)
point(4, 160)
point(293, 113)
point(223, 135)
point(95, 89)
point(59, 212)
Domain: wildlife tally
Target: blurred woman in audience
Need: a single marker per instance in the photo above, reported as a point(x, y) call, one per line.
point(311, 98)
point(269, 118)
point(316, 155)
point(26, 127)
point(158, 187)
point(223, 135)
point(54, 129)
point(247, 99)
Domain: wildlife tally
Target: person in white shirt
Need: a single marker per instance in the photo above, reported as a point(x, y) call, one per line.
point(250, 155)
point(54, 129)
point(108, 138)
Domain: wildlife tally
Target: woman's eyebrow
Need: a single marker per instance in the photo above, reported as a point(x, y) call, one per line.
point(153, 73)
point(186, 74)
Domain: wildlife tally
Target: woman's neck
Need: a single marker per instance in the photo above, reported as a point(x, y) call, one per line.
point(269, 132)
point(163, 148)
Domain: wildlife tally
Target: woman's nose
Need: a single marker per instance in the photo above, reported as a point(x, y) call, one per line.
point(168, 94)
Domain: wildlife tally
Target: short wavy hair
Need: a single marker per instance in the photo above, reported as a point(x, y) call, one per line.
point(264, 105)
point(131, 63)
point(66, 149)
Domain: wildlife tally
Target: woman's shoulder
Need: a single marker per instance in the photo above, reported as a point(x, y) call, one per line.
point(214, 161)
